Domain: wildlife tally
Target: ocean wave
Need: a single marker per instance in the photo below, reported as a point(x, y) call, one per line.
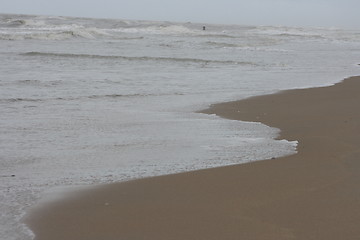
point(29, 82)
point(15, 23)
point(37, 83)
point(14, 100)
point(217, 35)
point(157, 29)
point(121, 96)
point(24, 27)
point(94, 97)
point(19, 22)
point(142, 58)
point(47, 33)
point(245, 47)
point(112, 27)
point(55, 29)
point(27, 27)
point(222, 44)
point(294, 32)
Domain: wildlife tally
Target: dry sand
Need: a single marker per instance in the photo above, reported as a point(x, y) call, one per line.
point(314, 194)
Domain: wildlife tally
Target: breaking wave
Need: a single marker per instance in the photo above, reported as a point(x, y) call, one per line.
point(62, 33)
point(158, 29)
point(22, 27)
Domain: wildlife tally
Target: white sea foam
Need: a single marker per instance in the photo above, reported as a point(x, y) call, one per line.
point(87, 101)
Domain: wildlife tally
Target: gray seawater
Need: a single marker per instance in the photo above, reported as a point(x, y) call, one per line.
point(88, 101)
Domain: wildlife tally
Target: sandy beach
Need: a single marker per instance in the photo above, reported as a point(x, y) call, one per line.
point(313, 194)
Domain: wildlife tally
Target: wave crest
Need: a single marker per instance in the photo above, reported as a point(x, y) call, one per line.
point(142, 58)
point(59, 33)
point(94, 97)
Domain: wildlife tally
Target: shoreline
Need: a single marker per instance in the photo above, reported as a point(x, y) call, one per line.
point(310, 195)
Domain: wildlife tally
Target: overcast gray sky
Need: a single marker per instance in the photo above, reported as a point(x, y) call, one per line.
point(327, 13)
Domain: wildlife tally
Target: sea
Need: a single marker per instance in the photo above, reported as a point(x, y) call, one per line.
point(91, 101)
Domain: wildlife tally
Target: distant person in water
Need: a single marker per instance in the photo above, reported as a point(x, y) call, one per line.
point(204, 28)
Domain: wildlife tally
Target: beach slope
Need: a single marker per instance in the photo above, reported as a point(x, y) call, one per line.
point(314, 194)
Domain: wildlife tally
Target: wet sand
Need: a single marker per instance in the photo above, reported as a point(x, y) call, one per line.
point(314, 194)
